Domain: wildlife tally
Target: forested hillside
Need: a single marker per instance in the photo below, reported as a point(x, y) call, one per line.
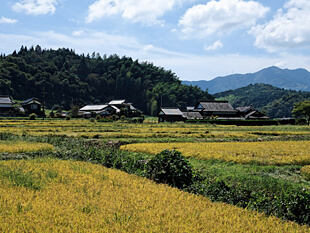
point(63, 78)
point(274, 101)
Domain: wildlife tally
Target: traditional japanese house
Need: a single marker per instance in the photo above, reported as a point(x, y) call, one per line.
point(32, 105)
point(170, 115)
point(6, 105)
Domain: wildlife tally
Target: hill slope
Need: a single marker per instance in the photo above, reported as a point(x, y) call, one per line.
point(64, 78)
point(298, 79)
point(276, 102)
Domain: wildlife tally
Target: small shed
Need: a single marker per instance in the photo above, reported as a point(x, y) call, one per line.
point(32, 105)
point(170, 115)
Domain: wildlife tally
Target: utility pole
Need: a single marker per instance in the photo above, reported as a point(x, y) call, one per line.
point(43, 100)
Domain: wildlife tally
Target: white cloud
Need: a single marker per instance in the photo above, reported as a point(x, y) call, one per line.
point(290, 28)
point(185, 65)
point(36, 7)
point(78, 33)
point(147, 48)
point(281, 64)
point(7, 20)
point(220, 17)
point(216, 45)
point(144, 11)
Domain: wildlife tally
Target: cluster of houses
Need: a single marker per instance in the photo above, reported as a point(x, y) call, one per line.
point(10, 108)
point(119, 107)
point(202, 110)
point(210, 110)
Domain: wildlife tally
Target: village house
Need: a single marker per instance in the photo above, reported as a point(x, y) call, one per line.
point(218, 109)
point(102, 110)
point(170, 115)
point(249, 112)
point(32, 105)
point(113, 107)
point(210, 110)
point(6, 105)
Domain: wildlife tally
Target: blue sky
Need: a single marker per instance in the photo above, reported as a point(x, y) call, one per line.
point(195, 39)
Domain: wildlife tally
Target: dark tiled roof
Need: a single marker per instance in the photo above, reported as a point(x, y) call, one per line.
point(216, 106)
point(245, 108)
point(192, 115)
point(30, 99)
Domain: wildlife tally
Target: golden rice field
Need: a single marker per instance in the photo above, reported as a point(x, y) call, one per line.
point(65, 196)
point(87, 129)
point(265, 153)
point(21, 147)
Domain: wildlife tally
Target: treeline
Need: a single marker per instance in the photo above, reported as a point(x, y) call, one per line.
point(62, 78)
point(274, 101)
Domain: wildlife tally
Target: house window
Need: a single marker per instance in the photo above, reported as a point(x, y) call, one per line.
point(34, 106)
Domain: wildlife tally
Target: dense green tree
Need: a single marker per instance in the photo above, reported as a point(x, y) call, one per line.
point(302, 109)
point(275, 102)
point(70, 78)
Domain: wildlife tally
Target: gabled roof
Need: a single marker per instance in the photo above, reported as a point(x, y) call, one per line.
point(192, 115)
point(31, 99)
point(170, 112)
point(245, 108)
point(5, 99)
point(190, 108)
point(256, 115)
point(215, 106)
point(94, 108)
point(117, 102)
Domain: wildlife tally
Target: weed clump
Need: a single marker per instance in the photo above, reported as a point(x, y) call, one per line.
point(170, 167)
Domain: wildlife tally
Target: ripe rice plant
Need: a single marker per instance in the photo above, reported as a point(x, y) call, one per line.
point(264, 153)
point(21, 147)
point(81, 197)
point(305, 171)
point(119, 130)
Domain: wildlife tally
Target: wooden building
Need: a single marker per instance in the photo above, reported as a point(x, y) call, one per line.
point(32, 105)
point(119, 107)
point(170, 115)
point(218, 109)
point(6, 105)
point(93, 110)
point(249, 112)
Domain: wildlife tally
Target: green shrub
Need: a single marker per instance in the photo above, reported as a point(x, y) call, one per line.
point(170, 167)
point(32, 116)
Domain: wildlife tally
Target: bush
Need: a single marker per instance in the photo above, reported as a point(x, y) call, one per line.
point(68, 118)
point(32, 116)
point(170, 167)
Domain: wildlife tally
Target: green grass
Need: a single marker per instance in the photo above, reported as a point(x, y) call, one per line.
point(276, 179)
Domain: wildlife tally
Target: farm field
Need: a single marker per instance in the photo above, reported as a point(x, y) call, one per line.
point(257, 168)
point(151, 131)
point(79, 196)
point(263, 153)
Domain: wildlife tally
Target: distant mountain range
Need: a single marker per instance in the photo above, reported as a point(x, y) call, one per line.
point(298, 79)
